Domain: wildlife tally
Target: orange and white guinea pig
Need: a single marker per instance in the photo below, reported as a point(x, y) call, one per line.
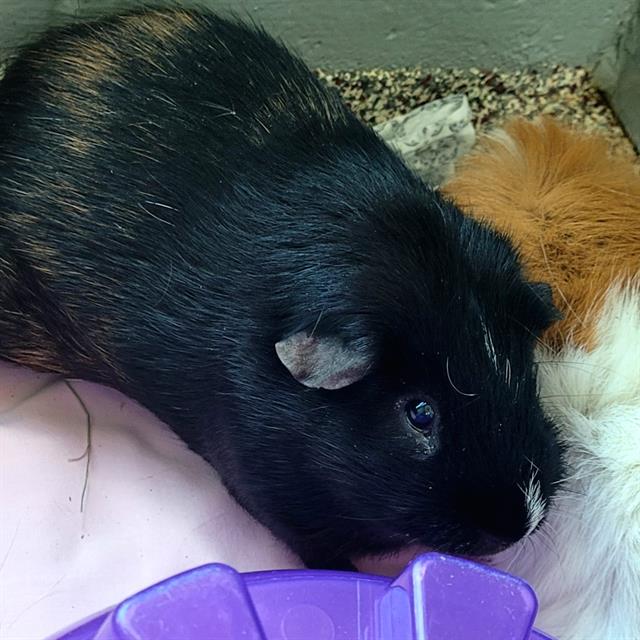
point(574, 211)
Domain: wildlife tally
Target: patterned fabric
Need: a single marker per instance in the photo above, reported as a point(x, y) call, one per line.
point(432, 137)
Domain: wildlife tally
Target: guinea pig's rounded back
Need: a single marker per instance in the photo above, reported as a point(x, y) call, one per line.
point(571, 206)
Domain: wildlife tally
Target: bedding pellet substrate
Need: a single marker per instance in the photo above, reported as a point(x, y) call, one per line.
point(566, 93)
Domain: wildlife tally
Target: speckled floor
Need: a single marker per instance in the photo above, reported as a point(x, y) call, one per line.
point(567, 93)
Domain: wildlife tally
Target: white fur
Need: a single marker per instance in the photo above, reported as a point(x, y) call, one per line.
point(536, 504)
point(503, 138)
point(585, 562)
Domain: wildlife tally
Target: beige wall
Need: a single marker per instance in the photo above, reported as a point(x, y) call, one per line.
point(366, 33)
point(348, 33)
point(22, 18)
point(619, 74)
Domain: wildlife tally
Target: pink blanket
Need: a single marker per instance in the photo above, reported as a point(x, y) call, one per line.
point(152, 508)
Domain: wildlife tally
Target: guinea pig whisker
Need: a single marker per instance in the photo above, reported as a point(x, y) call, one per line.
point(533, 547)
point(568, 502)
point(578, 366)
point(441, 210)
point(537, 338)
point(562, 488)
point(582, 366)
point(549, 543)
point(568, 363)
point(155, 217)
point(507, 372)
point(571, 491)
point(560, 292)
point(160, 204)
point(576, 476)
point(453, 386)
point(467, 404)
point(579, 476)
point(547, 531)
point(365, 518)
point(535, 503)
point(569, 516)
point(533, 464)
point(323, 407)
point(490, 346)
point(571, 395)
point(166, 287)
point(516, 556)
point(315, 326)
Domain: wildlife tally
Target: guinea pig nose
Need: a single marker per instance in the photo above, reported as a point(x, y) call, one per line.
point(497, 517)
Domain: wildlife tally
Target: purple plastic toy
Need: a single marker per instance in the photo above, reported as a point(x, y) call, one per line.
point(436, 598)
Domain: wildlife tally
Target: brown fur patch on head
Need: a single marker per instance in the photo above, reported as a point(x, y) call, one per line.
point(77, 145)
point(151, 33)
point(162, 24)
point(74, 75)
point(84, 64)
point(572, 208)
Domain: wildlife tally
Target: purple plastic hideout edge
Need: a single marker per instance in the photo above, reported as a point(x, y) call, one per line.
point(437, 597)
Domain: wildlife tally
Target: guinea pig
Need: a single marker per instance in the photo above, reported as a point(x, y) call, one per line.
point(571, 208)
point(189, 216)
point(574, 211)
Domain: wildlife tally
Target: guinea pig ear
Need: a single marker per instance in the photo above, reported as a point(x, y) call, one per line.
point(549, 312)
point(323, 362)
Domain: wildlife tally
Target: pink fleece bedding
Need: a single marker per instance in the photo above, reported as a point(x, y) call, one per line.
point(152, 507)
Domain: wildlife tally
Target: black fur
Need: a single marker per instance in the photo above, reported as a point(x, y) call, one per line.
point(177, 194)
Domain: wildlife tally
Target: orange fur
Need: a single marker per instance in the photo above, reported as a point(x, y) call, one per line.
point(572, 208)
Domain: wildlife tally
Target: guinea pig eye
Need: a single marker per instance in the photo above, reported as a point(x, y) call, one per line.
point(421, 414)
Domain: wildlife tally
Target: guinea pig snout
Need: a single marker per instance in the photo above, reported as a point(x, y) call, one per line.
point(497, 517)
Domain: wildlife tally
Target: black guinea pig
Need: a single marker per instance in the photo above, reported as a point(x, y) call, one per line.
point(189, 216)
